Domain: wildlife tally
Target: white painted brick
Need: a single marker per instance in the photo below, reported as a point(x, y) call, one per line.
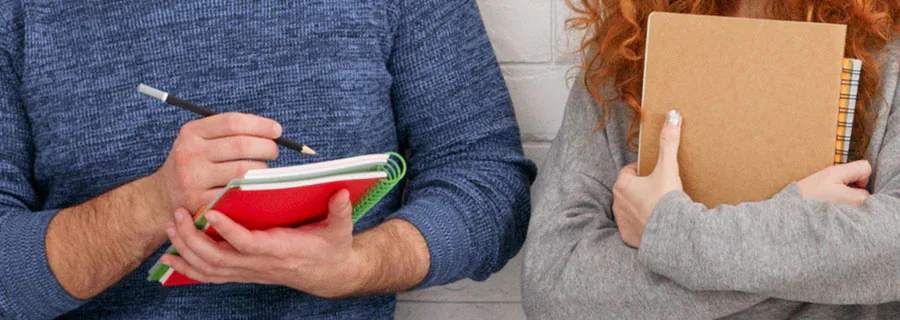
point(536, 151)
point(539, 94)
point(566, 42)
point(520, 30)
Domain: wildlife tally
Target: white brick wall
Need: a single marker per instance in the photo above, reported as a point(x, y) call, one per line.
point(529, 38)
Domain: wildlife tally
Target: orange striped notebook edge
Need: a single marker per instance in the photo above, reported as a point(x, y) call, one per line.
point(847, 106)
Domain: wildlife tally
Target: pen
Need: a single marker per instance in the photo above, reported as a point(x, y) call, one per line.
point(186, 105)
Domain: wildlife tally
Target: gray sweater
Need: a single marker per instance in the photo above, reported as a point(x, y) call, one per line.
point(786, 257)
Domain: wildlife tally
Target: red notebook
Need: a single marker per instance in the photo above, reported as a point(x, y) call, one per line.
point(292, 196)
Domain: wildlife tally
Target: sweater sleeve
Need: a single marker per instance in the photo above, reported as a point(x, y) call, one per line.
point(789, 247)
point(468, 184)
point(28, 289)
point(576, 264)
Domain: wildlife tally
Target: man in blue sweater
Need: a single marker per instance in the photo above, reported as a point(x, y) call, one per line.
point(93, 175)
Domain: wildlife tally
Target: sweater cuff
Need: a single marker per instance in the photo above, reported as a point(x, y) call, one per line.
point(447, 238)
point(665, 231)
point(29, 288)
point(792, 191)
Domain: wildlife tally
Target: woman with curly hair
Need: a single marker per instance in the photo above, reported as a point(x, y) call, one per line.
point(605, 243)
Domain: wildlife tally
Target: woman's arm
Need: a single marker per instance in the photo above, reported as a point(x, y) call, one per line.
point(576, 265)
point(789, 247)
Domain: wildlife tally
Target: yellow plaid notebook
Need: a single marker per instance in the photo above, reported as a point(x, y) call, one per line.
point(849, 88)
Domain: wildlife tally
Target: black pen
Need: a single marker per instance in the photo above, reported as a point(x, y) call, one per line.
point(186, 105)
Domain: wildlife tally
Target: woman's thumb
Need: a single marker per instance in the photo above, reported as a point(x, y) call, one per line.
point(669, 139)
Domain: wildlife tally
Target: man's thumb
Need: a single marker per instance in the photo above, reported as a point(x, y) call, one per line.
point(339, 207)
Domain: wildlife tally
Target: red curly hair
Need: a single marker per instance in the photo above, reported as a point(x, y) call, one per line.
point(613, 45)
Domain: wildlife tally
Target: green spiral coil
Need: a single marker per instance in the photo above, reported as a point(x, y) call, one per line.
point(395, 169)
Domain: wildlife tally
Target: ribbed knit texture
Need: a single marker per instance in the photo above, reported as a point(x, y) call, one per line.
point(345, 77)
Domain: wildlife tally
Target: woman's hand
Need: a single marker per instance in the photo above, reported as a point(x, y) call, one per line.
point(635, 197)
point(316, 258)
point(843, 183)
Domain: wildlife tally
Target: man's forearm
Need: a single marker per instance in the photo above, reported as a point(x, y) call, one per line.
point(95, 244)
point(394, 256)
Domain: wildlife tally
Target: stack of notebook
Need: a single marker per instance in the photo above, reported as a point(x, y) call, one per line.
point(291, 196)
point(761, 100)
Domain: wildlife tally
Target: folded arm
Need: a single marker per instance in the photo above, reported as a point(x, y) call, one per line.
point(788, 247)
point(576, 264)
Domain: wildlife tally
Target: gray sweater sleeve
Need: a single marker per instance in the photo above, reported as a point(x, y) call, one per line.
point(575, 262)
point(788, 247)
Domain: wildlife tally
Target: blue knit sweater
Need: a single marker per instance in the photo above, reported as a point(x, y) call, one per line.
point(346, 77)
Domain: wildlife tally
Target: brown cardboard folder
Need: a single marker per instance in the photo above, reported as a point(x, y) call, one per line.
point(759, 100)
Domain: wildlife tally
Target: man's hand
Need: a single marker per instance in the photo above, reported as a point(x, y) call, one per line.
point(843, 183)
point(126, 224)
point(635, 197)
point(317, 258)
point(209, 152)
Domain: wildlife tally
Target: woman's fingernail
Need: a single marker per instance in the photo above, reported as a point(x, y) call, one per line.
point(673, 118)
point(170, 232)
point(211, 217)
point(178, 216)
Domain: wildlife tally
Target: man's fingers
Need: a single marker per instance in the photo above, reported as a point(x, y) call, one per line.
point(237, 236)
point(221, 261)
point(857, 172)
point(209, 195)
point(220, 174)
point(203, 252)
point(183, 250)
point(669, 139)
point(233, 124)
point(241, 147)
point(214, 260)
point(182, 266)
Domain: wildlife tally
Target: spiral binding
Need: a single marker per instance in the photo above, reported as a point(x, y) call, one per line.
point(395, 169)
point(847, 106)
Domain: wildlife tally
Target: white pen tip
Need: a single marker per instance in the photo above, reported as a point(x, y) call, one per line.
point(309, 151)
point(153, 92)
